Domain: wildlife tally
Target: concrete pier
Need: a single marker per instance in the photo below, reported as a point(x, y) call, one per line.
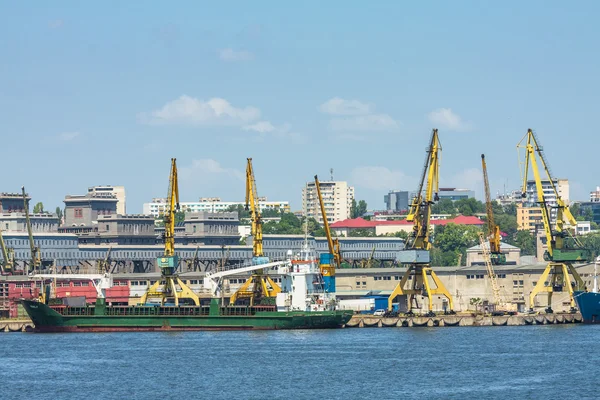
point(16, 325)
point(370, 321)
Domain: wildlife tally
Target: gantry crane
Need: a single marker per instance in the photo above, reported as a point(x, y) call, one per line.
point(258, 285)
point(166, 289)
point(325, 263)
point(563, 247)
point(36, 259)
point(493, 230)
point(416, 254)
point(8, 256)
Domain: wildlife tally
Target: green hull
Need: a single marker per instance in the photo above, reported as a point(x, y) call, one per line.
point(114, 319)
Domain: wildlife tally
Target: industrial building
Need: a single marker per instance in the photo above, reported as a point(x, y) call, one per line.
point(337, 199)
point(397, 200)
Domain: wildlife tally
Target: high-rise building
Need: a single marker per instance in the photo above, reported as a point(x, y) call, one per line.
point(595, 195)
point(562, 187)
point(337, 199)
point(529, 218)
point(396, 200)
point(118, 191)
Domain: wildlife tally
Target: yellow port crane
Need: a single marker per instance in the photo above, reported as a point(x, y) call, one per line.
point(258, 285)
point(563, 247)
point(493, 230)
point(328, 269)
point(36, 259)
point(8, 256)
point(166, 289)
point(416, 254)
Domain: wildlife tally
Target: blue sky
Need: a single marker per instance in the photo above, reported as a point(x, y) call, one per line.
point(108, 92)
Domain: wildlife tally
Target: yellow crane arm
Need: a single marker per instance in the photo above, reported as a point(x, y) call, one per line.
point(493, 229)
point(172, 208)
point(420, 211)
point(253, 206)
point(7, 259)
point(334, 245)
point(35, 251)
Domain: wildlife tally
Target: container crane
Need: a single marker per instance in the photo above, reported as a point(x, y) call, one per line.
point(325, 262)
point(8, 257)
point(36, 260)
point(166, 289)
point(416, 254)
point(258, 285)
point(493, 230)
point(563, 247)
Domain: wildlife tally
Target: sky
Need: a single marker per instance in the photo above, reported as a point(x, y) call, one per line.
point(106, 93)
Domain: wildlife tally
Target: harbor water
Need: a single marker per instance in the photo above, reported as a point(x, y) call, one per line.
point(533, 362)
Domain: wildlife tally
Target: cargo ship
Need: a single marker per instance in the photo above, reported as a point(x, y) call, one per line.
point(589, 306)
point(302, 303)
point(589, 302)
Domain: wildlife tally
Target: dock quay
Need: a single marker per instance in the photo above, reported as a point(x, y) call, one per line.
point(16, 325)
point(369, 321)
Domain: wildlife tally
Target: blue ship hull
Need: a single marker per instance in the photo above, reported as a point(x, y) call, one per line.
point(589, 306)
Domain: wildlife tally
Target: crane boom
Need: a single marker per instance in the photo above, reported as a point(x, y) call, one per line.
point(35, 251)
point(252, 205)
point(325, 265)
point(420, 210)
point(493, 233)
point(333, 244)
point(7, 256)
point(562, 245)
point(172, 208)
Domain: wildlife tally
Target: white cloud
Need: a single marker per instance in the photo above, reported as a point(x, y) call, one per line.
point(338, 106)
point(470, 178)
point(260, 127)
point(207, 169)
point(192, 111)
point(381, 178)
point(55, 24)
point(353, 115)
point(68, 136)
point(233, 55)
point(445, 118)
point(372, 122)
point(267, 129)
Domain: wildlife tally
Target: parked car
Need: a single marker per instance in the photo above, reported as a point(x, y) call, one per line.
point(379, 313)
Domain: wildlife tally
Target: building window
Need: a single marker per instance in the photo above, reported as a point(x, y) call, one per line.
point(78, 213)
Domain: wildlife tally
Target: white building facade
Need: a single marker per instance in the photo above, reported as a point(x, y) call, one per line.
point(337, 198)
point(158, 206)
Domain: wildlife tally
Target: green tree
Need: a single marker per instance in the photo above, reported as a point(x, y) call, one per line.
point(444, 206)
point(361, 209)
point(399, 234)
point(591, 241)
point(451, 241)
point(38, 208)
point(179, 217)
point(508, 224)
point(575, 209)
point(510, 209)
point(361, 232)
point(526, 242)
point(240, 209)
point(59, 215)
point(353, 209)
